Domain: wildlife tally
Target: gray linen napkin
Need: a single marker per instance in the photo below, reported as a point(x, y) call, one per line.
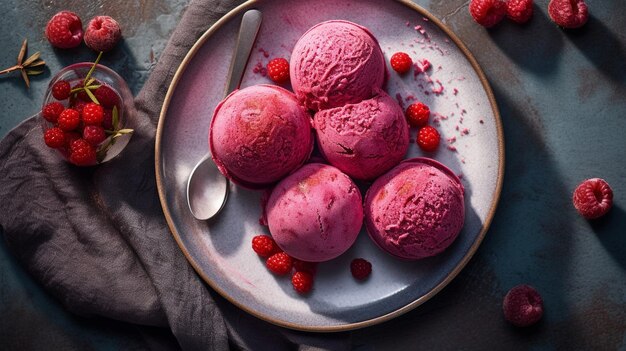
point(96, 238)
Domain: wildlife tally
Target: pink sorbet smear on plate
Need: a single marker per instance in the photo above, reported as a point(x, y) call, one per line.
point(260, 134)
point(336, 63)
point(316, 213)
point(416, 210)
point(365, 139)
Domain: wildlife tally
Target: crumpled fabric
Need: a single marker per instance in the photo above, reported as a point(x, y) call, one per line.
point(96, 238)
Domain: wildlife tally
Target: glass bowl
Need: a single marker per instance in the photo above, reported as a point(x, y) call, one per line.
point(117, 133)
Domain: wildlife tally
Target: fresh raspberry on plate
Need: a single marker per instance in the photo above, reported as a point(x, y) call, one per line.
point(487, 13)
point(106, 96)
point(360, 268)
point(94, 134)
point(401, 62)
point(93, 114)
point(264, 245)
point(54, 137)
point(522, 306)
point(82, 153)
point(102, 33)
point(417, 114)
point(52, 111)
point(69, 119)
point(302, 282)
point(519, 11)
point(64, 30)
point(304, 266)
point(428, 138)
point(279, 263)
point(61, 90)
point(593, 198)
point(278, 70)
point(568, 13)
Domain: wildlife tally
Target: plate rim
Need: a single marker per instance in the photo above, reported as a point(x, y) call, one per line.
point(347, 326)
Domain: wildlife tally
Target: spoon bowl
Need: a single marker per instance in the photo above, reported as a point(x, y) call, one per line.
point(207, 189)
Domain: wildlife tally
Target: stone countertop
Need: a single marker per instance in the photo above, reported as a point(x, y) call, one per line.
point(562, 98)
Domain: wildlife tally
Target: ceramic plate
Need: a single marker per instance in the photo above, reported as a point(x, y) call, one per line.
point(464, 111)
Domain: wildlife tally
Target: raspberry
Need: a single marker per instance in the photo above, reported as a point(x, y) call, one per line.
point(93, 114)
point(54, 137)
point(264, 245)
point(593, 198)
point(107, 119)
point(278, 70)
point(102, 33)
point(304, 266)
point(64, 30)
point(401, 62)
point(94, 134)
point(487, 13)
point(522, 306)
point(279, 263)
point(70, 137)
point(360, 268)
point(106, 96)
point(519, 11)
point(61, 90)
point(81, 95)
point(69, 119)
point(82, 153)
point(302, 282)
point(568, 13)
point(428, 138)
point(52, 111)
point(79, 105)
point(417, 114)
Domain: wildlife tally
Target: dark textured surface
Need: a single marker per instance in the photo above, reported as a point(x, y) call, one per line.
point(561, 97)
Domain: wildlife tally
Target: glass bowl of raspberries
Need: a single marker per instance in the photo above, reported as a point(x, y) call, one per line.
point(84, 113)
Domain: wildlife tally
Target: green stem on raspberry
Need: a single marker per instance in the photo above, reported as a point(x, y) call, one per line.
point(115, 119)
point(93, 68)
point(92, 96)
point(119, 132)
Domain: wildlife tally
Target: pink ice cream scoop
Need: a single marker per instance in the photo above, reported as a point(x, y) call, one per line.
point(336, 63)
point(260, 134)
point(365, 139)
point(416, 210)
point(315, 214)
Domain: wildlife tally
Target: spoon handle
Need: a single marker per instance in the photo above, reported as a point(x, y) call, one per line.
point(250, 24)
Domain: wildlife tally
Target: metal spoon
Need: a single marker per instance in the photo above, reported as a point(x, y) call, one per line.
point(207, 188)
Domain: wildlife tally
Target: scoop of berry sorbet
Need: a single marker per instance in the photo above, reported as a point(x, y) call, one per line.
point(336, 63)
point(315, 214)
point(415, 210)
point(260, 134)
point(364, 139)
